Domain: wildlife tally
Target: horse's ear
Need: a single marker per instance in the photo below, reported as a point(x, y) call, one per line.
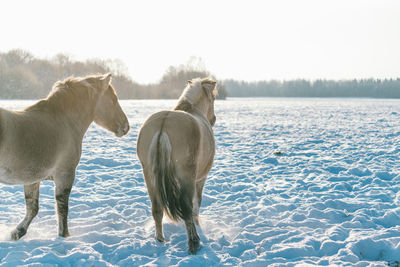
point(209, 87)
point(189, 82)
point(106, 79)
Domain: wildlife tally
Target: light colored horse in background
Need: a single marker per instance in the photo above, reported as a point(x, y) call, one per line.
point(44, 141)
point(176, 149)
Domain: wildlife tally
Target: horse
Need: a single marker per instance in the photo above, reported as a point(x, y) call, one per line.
point(44, 141)
point(176, 150)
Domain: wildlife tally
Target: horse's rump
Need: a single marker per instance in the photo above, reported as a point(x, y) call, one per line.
point(172, 140)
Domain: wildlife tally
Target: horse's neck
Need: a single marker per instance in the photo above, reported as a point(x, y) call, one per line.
point(185, 105)
point(80, 123)
point(77, 118)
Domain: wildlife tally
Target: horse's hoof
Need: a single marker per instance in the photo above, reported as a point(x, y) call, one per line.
point(63, 235)
point(159, 238)
point(18, 233)
point(194, 246)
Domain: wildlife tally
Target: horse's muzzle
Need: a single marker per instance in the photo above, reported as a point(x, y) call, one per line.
point(123, 130)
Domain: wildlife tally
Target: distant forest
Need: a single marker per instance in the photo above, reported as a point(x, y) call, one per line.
point(373, 88)
point(23, 76)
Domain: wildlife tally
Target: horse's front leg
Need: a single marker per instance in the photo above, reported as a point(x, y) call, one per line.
point(63, 184)
point(32, 207)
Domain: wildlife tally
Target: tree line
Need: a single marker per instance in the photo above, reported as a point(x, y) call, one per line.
point(373, 88)
point(23, 76)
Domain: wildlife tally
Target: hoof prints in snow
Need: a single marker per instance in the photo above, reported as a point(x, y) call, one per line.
point(295, 181)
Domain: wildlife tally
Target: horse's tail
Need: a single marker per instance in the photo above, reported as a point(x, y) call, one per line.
point(174, 198)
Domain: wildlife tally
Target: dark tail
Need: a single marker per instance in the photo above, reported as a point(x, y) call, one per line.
point(175, 200)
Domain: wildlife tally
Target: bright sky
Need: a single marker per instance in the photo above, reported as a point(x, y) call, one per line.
point(249, 40)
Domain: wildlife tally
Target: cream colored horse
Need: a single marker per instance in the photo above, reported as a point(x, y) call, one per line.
point(176, 149)
point(44, 141)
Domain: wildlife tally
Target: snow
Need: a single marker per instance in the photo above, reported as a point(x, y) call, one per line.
point(295, 181)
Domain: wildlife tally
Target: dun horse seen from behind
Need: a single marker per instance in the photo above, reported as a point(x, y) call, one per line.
point(176, 149)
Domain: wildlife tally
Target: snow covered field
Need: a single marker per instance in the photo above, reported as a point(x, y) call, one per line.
point(295, 181)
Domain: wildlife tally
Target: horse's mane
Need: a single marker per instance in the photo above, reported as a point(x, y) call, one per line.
point(191, 94)
point(67, 94)
point(184, 105)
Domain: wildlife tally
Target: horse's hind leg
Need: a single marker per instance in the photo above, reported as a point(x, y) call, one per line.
point(194, 239)
point(156, 208)
point(157, 213)
point(198, 198)
point(32, 207)
point(187, 199)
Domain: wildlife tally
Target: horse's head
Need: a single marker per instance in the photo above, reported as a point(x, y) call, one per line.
point(108, 112)
point(210, 91)
point(199, 95)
